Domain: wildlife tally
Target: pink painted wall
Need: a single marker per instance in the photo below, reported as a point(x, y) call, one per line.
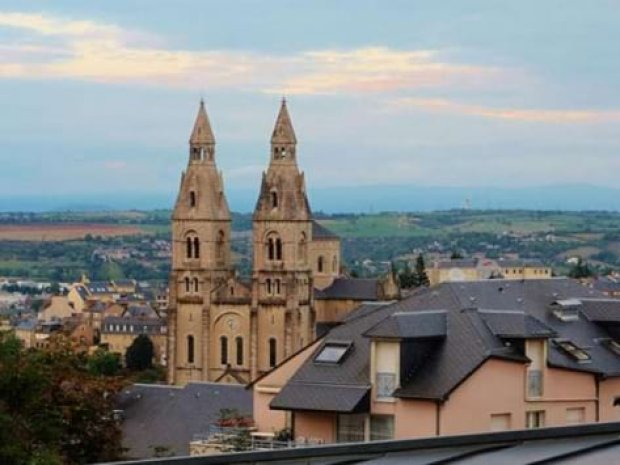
point(608, 391)
point(265, 389)
point(565, 384)
point(499, 387)
point(414, 419)
point(315, 426)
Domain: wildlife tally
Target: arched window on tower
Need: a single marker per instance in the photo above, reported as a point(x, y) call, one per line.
point(189, 249)
point(268, 283)
point(277, 287)
point(278, 249)
point(274, 199)
point(196, 247)
point(273, 352)
point(192, 199)
point(190, 349)
point(224, 350)
point(319, 264)
point(239, 344)
point(219, 245)
point(187, 285)
point(196, 285)
point(274, 247)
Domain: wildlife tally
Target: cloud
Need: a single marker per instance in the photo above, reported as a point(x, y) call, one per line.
point(510, 114)
point(97, 52)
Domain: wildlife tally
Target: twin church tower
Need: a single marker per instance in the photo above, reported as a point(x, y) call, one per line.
point(226, 329)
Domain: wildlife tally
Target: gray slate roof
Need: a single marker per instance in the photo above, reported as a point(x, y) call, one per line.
point(350, 289)
point(321, 232)
point(411, 325)
point(480, 315)
point(170, 416)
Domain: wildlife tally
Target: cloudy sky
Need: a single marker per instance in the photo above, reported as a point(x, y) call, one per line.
point(100, 96)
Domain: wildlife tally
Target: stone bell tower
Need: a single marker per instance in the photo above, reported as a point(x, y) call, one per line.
point(201, 257)
point(282, 312)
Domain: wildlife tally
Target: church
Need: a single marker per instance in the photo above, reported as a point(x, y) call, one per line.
point(223, 327)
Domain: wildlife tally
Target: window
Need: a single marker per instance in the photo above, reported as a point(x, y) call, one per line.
point(269, 291)
point(196, 247)
point(351, 428)
point(332, 353)
point(535, 419)
point(500, 421)
point(196, 285)
point(385, 385)
point(239, 344)
point(224, 350)
point(187, 286)
point(272, 352)
point(319, 265)
point(381, 427)
point(575, 415)
point(277, 287)
point(278, 249)
point(534, 383)
point(190, 349)
point(571, 349)
point(192, 199)
point(189, 251)
point(613, 346)
point(270, 249)
point(274, 199)
point(219, 245)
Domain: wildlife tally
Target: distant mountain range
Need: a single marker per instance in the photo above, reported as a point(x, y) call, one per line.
point(353, 199)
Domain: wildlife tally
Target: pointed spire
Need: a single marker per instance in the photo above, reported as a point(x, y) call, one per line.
point(283, 132)
point(202, 133)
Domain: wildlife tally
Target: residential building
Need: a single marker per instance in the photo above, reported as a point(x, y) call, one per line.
point(460, 357)
point(524, 269)
point(118, 333)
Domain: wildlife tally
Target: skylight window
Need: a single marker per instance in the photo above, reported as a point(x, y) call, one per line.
point(332, 353)
point(577, 353)
point(613, 346)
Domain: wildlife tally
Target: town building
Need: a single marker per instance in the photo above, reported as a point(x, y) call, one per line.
point(461, 357)
point(475, 268)
point(228, 329)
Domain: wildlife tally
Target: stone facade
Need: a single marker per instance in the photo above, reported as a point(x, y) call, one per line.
point(222, 328)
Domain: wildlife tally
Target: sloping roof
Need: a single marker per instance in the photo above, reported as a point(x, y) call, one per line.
point(607, 284)
point(170, 416)
point(510, 309)
point(409, 325)
point(515, 324)
point(350, 289)
point(601, 310)
point(323, 397)
point(321, 232)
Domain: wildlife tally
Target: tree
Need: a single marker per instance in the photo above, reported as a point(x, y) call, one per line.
point(420, 271)
point(104, 363)
point(407, 277)
point(52, 409)
point(580, 270)
point(456, 255)
point(139, 355)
